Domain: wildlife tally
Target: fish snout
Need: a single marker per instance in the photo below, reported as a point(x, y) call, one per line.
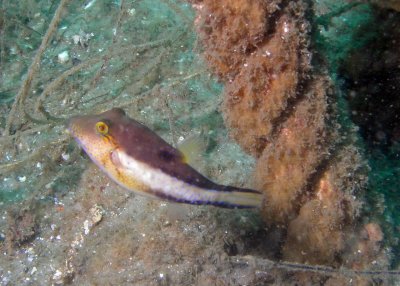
point(75, 127)
point(71, 126)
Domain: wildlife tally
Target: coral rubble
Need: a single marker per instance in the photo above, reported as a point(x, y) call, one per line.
point(22, 227)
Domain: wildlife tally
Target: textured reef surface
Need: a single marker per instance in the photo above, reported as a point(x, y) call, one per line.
point(297, 99)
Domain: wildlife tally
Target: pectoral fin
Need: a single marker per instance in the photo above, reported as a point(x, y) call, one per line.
point(114, 156)
point(191, 149)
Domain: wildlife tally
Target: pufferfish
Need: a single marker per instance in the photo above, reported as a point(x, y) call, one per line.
point(139, 160)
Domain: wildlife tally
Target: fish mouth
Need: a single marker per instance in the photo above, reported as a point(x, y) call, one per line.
point(67, 127)
point(72, 129)
point(76, 127)
point(70, 126)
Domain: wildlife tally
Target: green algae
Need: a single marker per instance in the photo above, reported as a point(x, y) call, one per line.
point(345, 29)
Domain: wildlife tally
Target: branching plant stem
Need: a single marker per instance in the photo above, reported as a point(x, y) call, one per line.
point(34, 67)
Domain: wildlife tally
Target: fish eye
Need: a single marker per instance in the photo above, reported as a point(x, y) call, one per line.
point(102, 128)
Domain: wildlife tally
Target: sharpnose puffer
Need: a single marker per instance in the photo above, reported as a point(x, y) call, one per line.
point(139, 160)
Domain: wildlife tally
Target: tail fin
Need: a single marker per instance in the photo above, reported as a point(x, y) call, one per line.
point(233, 197)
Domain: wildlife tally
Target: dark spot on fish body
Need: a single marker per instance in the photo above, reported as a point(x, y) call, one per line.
point(166, 155)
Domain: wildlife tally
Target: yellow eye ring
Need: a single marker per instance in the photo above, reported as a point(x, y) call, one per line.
point(102, 128)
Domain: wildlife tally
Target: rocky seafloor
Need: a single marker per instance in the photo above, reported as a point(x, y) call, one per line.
point(295, 87)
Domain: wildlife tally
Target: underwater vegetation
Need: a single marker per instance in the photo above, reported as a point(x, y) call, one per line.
point(276, 106)
point(295, 89)
point(281, 107)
